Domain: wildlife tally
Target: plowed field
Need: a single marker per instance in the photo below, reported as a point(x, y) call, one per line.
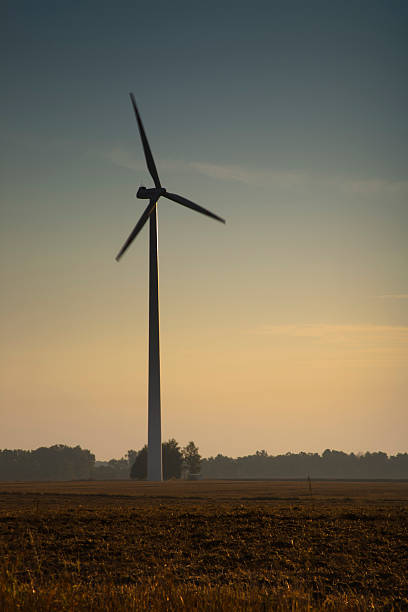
point(203, 546)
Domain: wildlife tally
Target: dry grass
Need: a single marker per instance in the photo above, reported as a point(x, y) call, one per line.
point(65, 551)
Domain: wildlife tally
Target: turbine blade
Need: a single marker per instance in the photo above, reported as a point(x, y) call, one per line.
point(148, 211)
point(189, 204)
point(148, 154)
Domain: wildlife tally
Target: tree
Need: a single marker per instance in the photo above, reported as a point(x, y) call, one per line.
point(131, 456)
point(192, 458)
point(138, 471)
point(172, 461)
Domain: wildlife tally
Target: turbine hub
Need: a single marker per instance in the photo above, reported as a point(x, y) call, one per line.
point(142, 193)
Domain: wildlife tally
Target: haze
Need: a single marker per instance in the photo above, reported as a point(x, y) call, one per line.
point(285, 330)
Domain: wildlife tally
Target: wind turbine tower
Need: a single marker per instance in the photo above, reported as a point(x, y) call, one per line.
point(154, 451)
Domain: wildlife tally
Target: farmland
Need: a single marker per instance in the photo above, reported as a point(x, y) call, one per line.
point(221, 545)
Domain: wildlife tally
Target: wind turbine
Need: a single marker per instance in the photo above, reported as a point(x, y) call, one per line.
point(154, 451)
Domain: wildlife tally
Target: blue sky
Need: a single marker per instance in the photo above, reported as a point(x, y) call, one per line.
point(301, 80)
point(287, 118)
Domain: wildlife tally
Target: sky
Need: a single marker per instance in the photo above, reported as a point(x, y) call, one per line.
point(284, 330)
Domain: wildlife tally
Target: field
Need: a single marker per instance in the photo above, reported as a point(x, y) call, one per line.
point(221, 545)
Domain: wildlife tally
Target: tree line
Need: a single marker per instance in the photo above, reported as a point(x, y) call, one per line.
point(330, 464)
point(60, 462)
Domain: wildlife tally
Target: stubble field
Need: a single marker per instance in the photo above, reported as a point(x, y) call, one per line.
point(221, 545)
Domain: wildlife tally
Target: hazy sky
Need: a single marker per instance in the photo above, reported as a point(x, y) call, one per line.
point(286, 329)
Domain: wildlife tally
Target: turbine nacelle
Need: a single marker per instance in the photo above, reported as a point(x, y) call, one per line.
point(150, 194)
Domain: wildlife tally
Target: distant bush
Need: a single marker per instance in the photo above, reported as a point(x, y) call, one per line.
point(115, 469)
